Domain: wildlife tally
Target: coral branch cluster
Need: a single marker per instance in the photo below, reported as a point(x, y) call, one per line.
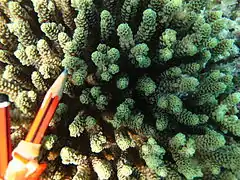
point(152, 89)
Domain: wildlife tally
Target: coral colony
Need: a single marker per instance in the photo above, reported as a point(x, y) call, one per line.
point(152, 91)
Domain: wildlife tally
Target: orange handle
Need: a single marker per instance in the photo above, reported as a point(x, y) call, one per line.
point(5, 139)
point(47, 109)
point(46, 120)
point(38, 120)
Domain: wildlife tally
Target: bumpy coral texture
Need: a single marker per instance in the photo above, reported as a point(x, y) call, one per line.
point(152, 91)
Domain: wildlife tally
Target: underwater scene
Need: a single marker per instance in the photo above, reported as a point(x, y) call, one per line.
point(120, 89)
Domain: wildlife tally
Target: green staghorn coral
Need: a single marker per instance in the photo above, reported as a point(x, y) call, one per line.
point(152, 88)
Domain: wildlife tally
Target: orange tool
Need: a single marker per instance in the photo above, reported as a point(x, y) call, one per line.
point(5, 139)
point(47, 110)
point(24, 161)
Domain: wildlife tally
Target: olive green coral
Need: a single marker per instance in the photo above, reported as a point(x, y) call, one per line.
point(151, 92)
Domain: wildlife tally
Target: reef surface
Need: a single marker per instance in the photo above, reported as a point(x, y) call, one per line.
point(152, 92)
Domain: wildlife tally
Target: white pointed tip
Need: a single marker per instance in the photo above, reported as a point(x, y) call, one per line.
point(58, 85)
point(65, 71)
